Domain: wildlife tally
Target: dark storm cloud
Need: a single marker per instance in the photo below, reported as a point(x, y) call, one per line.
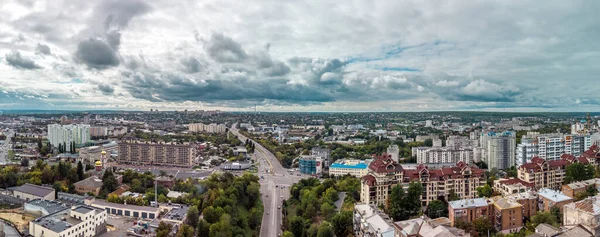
point(224, 49)
point(191, 65)
point(172, 87)
point(106, 89)
point(120, 12)
point(16, 60)
point(96, 54)
point(113, 38)
point(42, 49)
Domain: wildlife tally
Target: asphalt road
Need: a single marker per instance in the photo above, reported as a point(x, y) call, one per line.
point(274, 186)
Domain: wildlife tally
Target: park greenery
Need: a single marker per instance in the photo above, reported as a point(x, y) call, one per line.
point(311, 210)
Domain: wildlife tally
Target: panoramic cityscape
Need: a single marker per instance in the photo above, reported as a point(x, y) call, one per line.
point(408, 118)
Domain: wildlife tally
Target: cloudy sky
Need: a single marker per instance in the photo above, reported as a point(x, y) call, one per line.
point(300, 55)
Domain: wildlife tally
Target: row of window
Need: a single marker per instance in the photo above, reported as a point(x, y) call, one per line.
point(120, 212)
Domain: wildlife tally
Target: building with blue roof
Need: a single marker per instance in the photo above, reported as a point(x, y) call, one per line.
point(356, 168)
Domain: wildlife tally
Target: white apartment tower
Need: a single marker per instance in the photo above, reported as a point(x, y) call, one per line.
point(500, 150)
point(551, 146)
point(66, 134)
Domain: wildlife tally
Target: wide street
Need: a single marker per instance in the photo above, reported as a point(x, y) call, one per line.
point(274, 184)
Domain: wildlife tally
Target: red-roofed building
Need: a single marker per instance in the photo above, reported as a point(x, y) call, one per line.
point(592, 155)
point(542, 173)
point(384, 173)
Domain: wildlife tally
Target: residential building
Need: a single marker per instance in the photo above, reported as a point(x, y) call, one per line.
point(91, 184)
point(77, 221)
point(467, 210)
point(573, 189)
point(165, 181)
point(168, 154)
point(462, 179)
point(507, 214)
point(356, 168)
point(91, 154)
point(67, 134)
point(368, 221)
point(529, 201)
point(545, 230)
point(435, 155)
point(592, 155)
point(99, 131)
point(437, 183)
point(543, 173)
point(209, 128)
point(309, 164)
point(426, 227)
point(324, 154)
point(551, 146)
point(31, 191)
point(383, 173)
point(511, 186)
point(500, 149)
point(585, 213)
point(548, 198)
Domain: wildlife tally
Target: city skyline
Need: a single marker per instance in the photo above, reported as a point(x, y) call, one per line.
point(299, 56)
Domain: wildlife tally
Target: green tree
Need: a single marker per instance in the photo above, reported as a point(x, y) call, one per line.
point(163, 229)
point(395, 207)
point(578, 172)
point(287, 234)
point(342, 223)
point(437, 208)
point(203, 228)
point(452, 196)
point(222, 228)
point(542, 217)
point(325, 230)
point(413, 198)
point(109, 183)
point(327, 210)
point(485, 191)
point(80, 172)
point(211, 215)
point(296, 225)
point(310, 212)
point(185, 231)
point(192, 216)
point(25, 162)
point(428, 142)
point(483, 226)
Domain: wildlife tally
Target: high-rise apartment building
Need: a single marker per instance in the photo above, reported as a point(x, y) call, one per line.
point(551, 146)
point(543, 173)
point(209, 128)
point(436, 155)
point(66, 134)
point(168, 154)
point(98, 131)
point(500, 149)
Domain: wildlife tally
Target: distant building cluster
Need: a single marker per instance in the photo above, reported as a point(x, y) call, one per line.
point(551, 146)
point(209, 128)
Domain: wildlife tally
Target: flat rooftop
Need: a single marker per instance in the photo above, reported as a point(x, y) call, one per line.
point(49, 206)
point(123, 206)
point(177, 213)
point(83, 209)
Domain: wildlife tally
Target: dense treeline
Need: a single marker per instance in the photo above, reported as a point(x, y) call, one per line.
point(61, 176)
point(311, 209)
point(230, 206)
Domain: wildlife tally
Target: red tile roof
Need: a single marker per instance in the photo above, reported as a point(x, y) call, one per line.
point(384, 164)
point(459, 171)
point(515, 181)
point(537, 163)
point(593, 152)
point(369, 179)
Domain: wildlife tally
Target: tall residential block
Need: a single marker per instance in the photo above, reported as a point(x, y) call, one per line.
point(66, 134)
point(168, 154)
point(500, 149)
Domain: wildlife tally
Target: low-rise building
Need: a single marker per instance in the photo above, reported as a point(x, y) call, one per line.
point(31, 191)
point(511, 186)
point(77, 221)
point(310, 164)
point(426, 227)
point(573, 189)
point(467, 210)
point(529, 201)
point(507, 214)
point(368, 221)
point(128, 210)
point(585, 213)
point(548, 198)
point(91, 184)
point(356, 168)
point(165, 181)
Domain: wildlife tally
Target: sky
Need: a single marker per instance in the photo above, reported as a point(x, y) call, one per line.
point(302, 56)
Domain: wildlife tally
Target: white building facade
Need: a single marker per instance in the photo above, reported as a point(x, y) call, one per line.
point(66, 134)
